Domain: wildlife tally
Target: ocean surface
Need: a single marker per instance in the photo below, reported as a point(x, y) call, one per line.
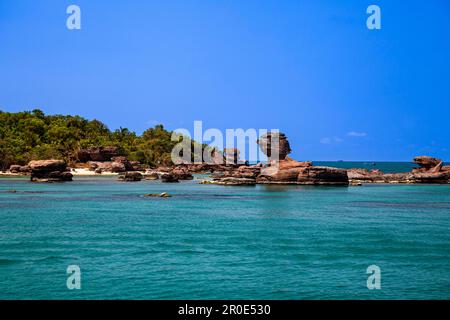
point(223, 242)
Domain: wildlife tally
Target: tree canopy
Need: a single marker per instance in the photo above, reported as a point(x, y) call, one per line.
point(32, 135)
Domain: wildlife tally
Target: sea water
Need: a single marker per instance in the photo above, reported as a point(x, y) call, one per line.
point(222, 242)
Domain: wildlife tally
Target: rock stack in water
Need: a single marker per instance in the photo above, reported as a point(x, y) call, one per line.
point(430, 170)
point(49, 171)
point(280, 169)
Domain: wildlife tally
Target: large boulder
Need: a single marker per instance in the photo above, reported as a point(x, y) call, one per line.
point(132, 176)
point(17, 169)
point(49, 171)
point(14, 168)
point(274, 145)
point(169, 178)
point(182, 173)
point(116, 167)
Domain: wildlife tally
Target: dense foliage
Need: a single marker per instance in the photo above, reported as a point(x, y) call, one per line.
point(26, 136)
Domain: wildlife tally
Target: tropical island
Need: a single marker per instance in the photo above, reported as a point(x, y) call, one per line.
point(54, 148)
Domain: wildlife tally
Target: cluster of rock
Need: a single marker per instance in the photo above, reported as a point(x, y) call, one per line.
point(106, 159)
point(18, 169)
point(280, 169)
point(430, 170)
point(49, 171)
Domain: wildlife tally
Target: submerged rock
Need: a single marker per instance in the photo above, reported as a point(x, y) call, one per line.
point(158, 195)
point(232, 181)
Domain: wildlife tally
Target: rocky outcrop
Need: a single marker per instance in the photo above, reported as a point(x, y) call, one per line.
point(100, 154)
point(280, 169)
point(18, 169)
point(427, 163)
point(322, 176)
point(132, 176)
point(49, 171)
point(430, 177)
point(116, 165)
point(274, 145)
point(181, 173)
point(151, 175)
point(286, 170)
point(169, 178)
point(431, 170)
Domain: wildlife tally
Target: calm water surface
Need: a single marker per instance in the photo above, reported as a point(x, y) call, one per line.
point(217, 242)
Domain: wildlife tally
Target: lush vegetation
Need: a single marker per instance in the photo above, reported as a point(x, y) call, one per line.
point(26, 136)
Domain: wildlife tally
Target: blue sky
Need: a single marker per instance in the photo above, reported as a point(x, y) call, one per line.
point(310, 68)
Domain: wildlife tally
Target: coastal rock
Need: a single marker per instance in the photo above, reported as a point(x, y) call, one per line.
point(169, 178)
point(323, 176)
point(101, 154)
point(181, 173)
point(364, 175)
point(284, 170)
point(427, 163)
point(18, 169)
point(430, 177)
point(49, 171)
point(115, 167)
point(151, 175)
point(274, 145)
point(132, 176)
point(14, 169)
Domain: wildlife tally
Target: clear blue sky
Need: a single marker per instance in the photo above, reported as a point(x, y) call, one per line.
point(310, 68)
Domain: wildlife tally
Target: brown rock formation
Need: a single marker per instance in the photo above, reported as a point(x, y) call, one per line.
point(169, 178)
point(323, 176)
point(49, 171)
point(286, 170)
point(132, 176)
point(274, 145)
point(427, 162)
point(182, 173)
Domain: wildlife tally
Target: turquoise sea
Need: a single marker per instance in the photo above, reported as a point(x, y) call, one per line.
point(219, 242)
